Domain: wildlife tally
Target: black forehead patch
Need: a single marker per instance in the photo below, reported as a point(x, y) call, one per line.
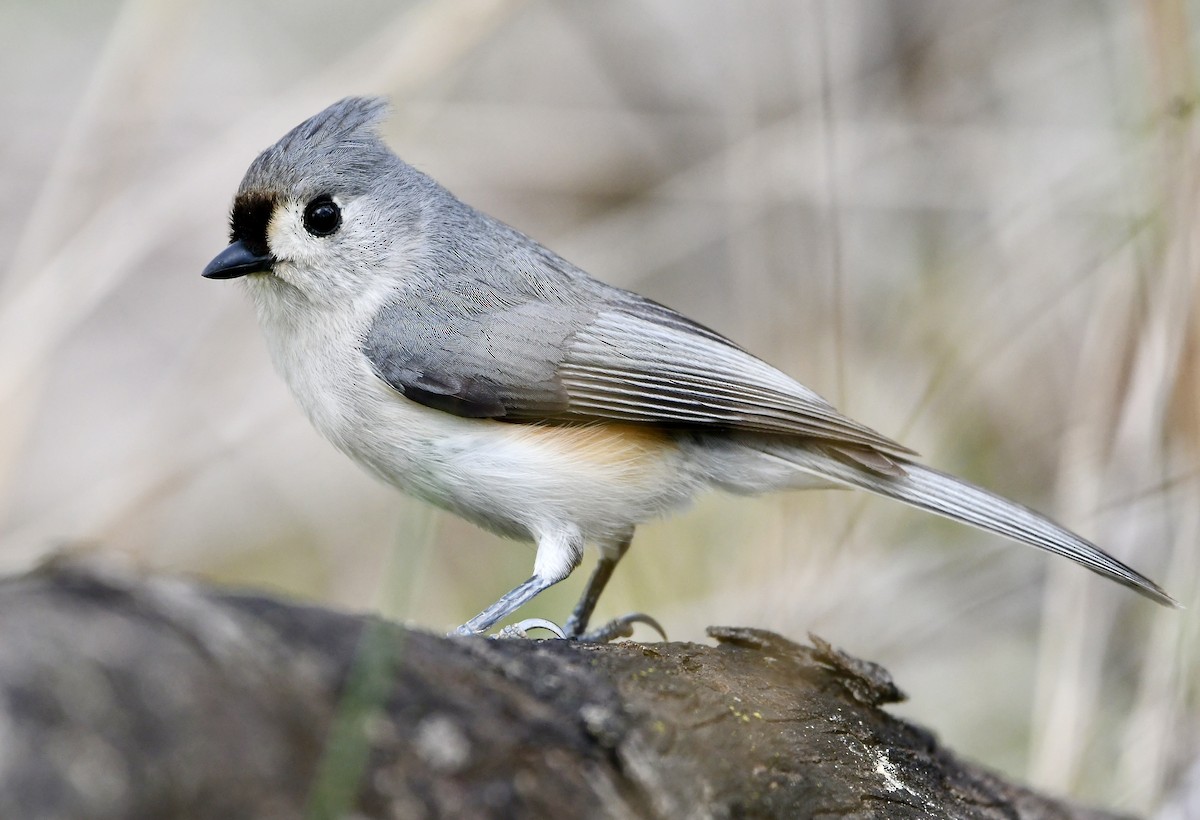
point(248, 222)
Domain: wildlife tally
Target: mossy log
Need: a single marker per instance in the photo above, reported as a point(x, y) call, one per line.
point(129, 696)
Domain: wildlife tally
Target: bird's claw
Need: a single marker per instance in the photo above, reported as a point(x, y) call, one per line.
point(521, 629)
point(616, 628)
point(622, 628)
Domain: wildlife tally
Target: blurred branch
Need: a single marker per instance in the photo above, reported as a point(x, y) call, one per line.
point(1141, 338)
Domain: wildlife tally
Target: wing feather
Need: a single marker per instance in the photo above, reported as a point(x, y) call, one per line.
point(666, 372)
point(610, 355)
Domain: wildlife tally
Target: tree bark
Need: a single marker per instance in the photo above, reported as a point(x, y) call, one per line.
point(129, 696)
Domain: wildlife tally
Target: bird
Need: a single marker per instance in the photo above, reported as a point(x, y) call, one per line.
point(466, 364)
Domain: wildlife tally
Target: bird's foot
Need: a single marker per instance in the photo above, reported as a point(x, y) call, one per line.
point(620, 628)
point(521, 628)
point(616, 628)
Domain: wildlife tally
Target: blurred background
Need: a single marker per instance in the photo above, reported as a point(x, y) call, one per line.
point(971, 226)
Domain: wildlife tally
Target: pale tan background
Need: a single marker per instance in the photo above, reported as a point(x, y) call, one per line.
point(971, 225)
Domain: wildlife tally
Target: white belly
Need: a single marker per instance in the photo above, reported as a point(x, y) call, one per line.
point(518, 479)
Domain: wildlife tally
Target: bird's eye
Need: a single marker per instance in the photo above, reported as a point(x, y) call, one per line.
point(322, 216)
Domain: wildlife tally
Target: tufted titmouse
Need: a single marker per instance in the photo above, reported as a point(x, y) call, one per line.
point(466, 364)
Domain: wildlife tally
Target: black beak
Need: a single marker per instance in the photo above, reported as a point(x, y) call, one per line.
point(238, 260)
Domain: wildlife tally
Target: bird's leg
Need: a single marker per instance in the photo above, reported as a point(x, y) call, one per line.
point(508, 603)
point(583, 610)
point(558, 553)
point(578, 621)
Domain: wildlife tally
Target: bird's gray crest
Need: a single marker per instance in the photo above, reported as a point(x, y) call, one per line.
point(339, 147)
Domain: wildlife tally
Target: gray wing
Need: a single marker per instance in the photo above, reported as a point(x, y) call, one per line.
point(616, 357)
point(475, 352)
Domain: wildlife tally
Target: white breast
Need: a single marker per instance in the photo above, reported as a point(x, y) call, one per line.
point(518, 480)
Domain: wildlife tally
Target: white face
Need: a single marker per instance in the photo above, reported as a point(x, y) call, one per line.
point(324, 247)
point(332, 251)
point(289, 239)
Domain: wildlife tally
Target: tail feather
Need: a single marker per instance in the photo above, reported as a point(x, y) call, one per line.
point(961, 501)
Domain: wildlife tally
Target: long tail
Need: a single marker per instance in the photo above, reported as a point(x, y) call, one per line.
point(959, 500)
